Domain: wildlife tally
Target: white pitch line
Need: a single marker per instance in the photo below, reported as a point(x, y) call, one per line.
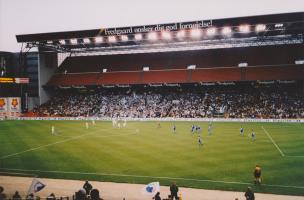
point(47, 145)
point(62, 141)
point(265, 131)
point(152, 177)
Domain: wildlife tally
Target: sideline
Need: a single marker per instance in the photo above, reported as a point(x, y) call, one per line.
point(118, 191)
point(152, 177)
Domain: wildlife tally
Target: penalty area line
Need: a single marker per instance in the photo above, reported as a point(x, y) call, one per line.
point(152, 177)
point(273, 142)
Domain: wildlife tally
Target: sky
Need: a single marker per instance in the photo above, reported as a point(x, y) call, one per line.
point(39, 16)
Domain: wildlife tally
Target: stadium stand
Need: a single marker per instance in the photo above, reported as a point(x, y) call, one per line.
point(246, 98)
point(242, 100)
point(118, 79)
point(231, 78)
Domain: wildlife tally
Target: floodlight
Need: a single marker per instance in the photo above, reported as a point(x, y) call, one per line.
point(211, 31)
point(260, 28)
point(62, 42)
point(73, 41)
point(138, 36)
point(166, 35)
point(226, 31)
point(86, 40)
point(124, 38)
point(181, 34)
point(112, 39)
point(244, 28)
point(195, 33)
point(152, 36)
point(99, 39)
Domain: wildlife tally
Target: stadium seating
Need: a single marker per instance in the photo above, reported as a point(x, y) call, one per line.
point(242, 100)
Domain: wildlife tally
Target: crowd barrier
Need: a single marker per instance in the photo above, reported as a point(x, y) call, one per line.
point(163, 119)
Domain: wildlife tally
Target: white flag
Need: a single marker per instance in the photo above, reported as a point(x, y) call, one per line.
point(36, 186)
point(151, 188)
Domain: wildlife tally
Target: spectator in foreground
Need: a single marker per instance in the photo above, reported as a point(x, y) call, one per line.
point(16, 196)
point(87, 187)
point(80, 195)
point(51, 197)
point(95, 195)
point(174, 190)
point(157, 197)
point(2, 195)
point(249, 194)
point(30, 197)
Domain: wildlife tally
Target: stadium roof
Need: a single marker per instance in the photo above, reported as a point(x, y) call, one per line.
point(204, 34)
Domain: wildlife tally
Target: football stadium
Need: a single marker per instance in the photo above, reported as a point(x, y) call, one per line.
point(205, 109)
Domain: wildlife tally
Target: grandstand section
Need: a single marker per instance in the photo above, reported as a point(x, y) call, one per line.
point(231, 100)
point(246, 49)
point(200, 103)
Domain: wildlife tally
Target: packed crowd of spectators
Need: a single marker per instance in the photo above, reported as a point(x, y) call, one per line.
point(191, 101)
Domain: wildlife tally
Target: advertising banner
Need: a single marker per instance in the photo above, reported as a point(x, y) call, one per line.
point(3, 104)
point(14, 104)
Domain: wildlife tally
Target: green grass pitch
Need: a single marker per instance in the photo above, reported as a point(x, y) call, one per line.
point(142, 153)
